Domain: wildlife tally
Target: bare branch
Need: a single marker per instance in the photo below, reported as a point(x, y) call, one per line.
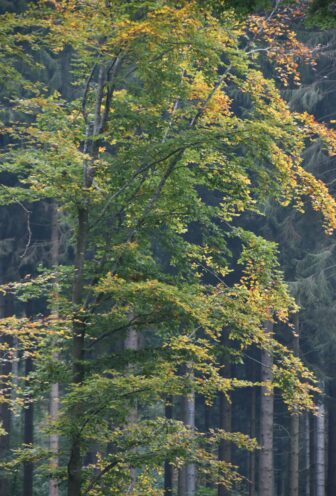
point(86, 91)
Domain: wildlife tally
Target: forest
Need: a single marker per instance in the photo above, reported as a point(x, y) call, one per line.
point(167, 248)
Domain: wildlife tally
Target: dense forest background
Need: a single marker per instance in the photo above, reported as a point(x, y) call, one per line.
point(168, 328)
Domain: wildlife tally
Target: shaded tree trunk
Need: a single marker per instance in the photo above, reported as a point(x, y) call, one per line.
point(5, 413)
point(320, 450)
point(312, 449)
point(253, 434)
point(132, 344)
point(294, 473)
point(331, 487)
point(28, 436)
point(91, 145)
point(187, 475)
point(307, 469)
point(266, 470)
point(168, 468)
point(225, 414)
point(54, 394)
point(294, 455)
point(188, 472)
point(78, 340)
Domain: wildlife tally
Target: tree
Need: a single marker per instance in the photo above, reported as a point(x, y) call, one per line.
point(129, 160)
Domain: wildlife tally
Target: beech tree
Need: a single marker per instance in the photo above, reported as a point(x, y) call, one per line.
point(150, 146)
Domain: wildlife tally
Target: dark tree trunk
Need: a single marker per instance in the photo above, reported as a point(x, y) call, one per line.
point(225, 413)
point(168, 468)
point(307, 470)
point(320, 449)
point(312, 452)
point(75, 461)
point(266, 469)
point(331, 488)
point(294, 456)
point(79, 325)
point(253, 433)
point(294, 472)
point(28, 436)
point(132, 343)
point(5, 413)
point(54, 394)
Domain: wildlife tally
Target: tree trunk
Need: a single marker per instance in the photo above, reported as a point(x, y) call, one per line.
point(78, 324)
point(207, 418)
point(225, 414)
point(168, 468)
point(320, 450)
point(78, 340)
point(28, 436)
point(5, 413)
point(312, 450)
point(294, 455)
point(187, 476)
point(266, 471)
point(188, 472)
point(253, 434)
point(294, 477)
point(331, 488)
point(54, 393)
point(132, 344)
point(307, 469)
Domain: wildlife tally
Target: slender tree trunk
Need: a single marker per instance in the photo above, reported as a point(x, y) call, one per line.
point(266, 470)
point(188, 472)
point(132, 344)
point(5, 413)
point(331, 488)
point(320, 450)
point(294, 455)
point(312, 449)
point(54, 394)
point(225, 414)
point(187, 476)
point(75, 461)
point(207, 417)
point(294, 477)
point(253, 434)
point(168, 468)
point(28, 436)
point(307, 469)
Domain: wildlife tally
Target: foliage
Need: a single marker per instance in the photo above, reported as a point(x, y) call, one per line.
point(151, 146)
